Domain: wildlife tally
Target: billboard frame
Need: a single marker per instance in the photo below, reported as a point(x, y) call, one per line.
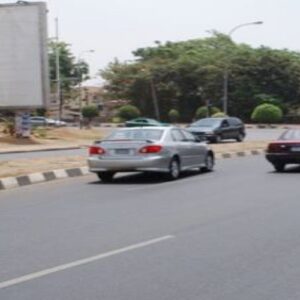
point(44, 63)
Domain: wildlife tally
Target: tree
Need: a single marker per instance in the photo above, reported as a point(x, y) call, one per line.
point(192, 72)
point(267, 113)
point(127, 112)
point(71, 71)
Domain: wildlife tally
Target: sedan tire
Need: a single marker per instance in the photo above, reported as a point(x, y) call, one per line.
point(209, 163)
point(279, 167)
point(174, 169)
point(106, 177)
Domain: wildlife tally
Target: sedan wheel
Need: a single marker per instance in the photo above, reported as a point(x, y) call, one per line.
point(279, 167)
point(174, 169)
point(106, 176)
point(209, 164)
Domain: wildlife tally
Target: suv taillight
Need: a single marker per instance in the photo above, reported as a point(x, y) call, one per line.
point(151, 149)
point(96, 150)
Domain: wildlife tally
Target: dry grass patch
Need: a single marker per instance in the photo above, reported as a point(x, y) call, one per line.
point(26, 166)
point(237, 147)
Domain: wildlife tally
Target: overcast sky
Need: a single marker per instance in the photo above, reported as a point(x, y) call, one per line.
point(114, 28)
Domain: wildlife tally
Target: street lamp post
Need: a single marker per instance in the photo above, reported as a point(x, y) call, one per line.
point(80, 83)
point(57, 67)
point(226, 72)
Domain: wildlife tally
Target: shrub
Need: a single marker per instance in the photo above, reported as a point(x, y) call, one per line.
point(41, 112)
point(9, 126)
point(219, 115)
point(128, 112)
point(89, 113)
point(267, 113)
point(202, 112)
point(173, 115)
point(116, 120)
point(40, 132)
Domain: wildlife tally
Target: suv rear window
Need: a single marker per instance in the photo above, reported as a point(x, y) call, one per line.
point(235, 121)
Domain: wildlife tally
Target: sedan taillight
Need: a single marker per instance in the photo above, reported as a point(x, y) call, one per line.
point(151, 149)
point(96, 150)
point(277, 147)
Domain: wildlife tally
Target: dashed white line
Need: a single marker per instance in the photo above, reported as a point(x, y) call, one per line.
point(80, 262)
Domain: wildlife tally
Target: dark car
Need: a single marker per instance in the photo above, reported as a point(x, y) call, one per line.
point(286, 150)
point(142, 122)
point(218, 129)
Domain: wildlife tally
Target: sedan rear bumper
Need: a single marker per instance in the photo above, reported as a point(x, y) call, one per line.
point(287, 158)
point(147, 164)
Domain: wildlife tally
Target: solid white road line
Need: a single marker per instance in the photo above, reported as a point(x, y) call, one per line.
point(80, 262)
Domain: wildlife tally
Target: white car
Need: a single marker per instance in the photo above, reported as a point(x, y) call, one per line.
point(42, 121)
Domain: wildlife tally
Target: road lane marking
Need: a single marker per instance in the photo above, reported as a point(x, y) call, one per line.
point(81, 262)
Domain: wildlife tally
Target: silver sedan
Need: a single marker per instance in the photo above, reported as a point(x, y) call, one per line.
point(168, 150)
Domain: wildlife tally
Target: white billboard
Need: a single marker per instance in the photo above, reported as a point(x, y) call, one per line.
point(24, 77)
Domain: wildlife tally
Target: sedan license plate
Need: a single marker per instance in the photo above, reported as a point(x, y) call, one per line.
point(122, 151)
point(295, 149)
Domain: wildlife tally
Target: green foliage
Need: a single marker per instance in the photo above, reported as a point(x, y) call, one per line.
point(185, 74)
point(89, 112)
point(9, 126)
point(127, 112)
point(202, 112)
point(173, 115)
point(116, 120)
point(40, 132)
point(41, 112)
point(219, 115)
point(267, 113)
point(71, 70)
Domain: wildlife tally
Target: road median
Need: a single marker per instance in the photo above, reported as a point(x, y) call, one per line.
point(24, 172)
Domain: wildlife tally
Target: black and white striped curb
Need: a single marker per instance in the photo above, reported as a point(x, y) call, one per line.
point(239, 153)
point(25, 180)
point(19, 181)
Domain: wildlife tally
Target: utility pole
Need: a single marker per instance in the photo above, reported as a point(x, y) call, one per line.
point(57, 64)
point(226, 71)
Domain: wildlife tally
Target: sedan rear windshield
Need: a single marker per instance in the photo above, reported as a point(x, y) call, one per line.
point(290, 135)
point(136, 134)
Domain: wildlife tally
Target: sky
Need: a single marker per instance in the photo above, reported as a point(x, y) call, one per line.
point(115, 28)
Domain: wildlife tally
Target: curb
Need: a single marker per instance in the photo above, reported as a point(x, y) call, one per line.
point(34, 178)
point(43, 150)
point(25, 180)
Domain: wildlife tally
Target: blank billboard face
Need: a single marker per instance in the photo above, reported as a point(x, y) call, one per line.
point(24, 80)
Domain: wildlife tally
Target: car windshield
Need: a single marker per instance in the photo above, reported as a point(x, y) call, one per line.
point(137, 134)
point(207, 123)
point(290, 135)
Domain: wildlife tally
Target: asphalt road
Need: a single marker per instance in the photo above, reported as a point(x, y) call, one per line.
point(232, 234)
point(252, 135)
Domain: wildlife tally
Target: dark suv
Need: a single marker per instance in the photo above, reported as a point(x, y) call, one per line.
point(218, 129)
